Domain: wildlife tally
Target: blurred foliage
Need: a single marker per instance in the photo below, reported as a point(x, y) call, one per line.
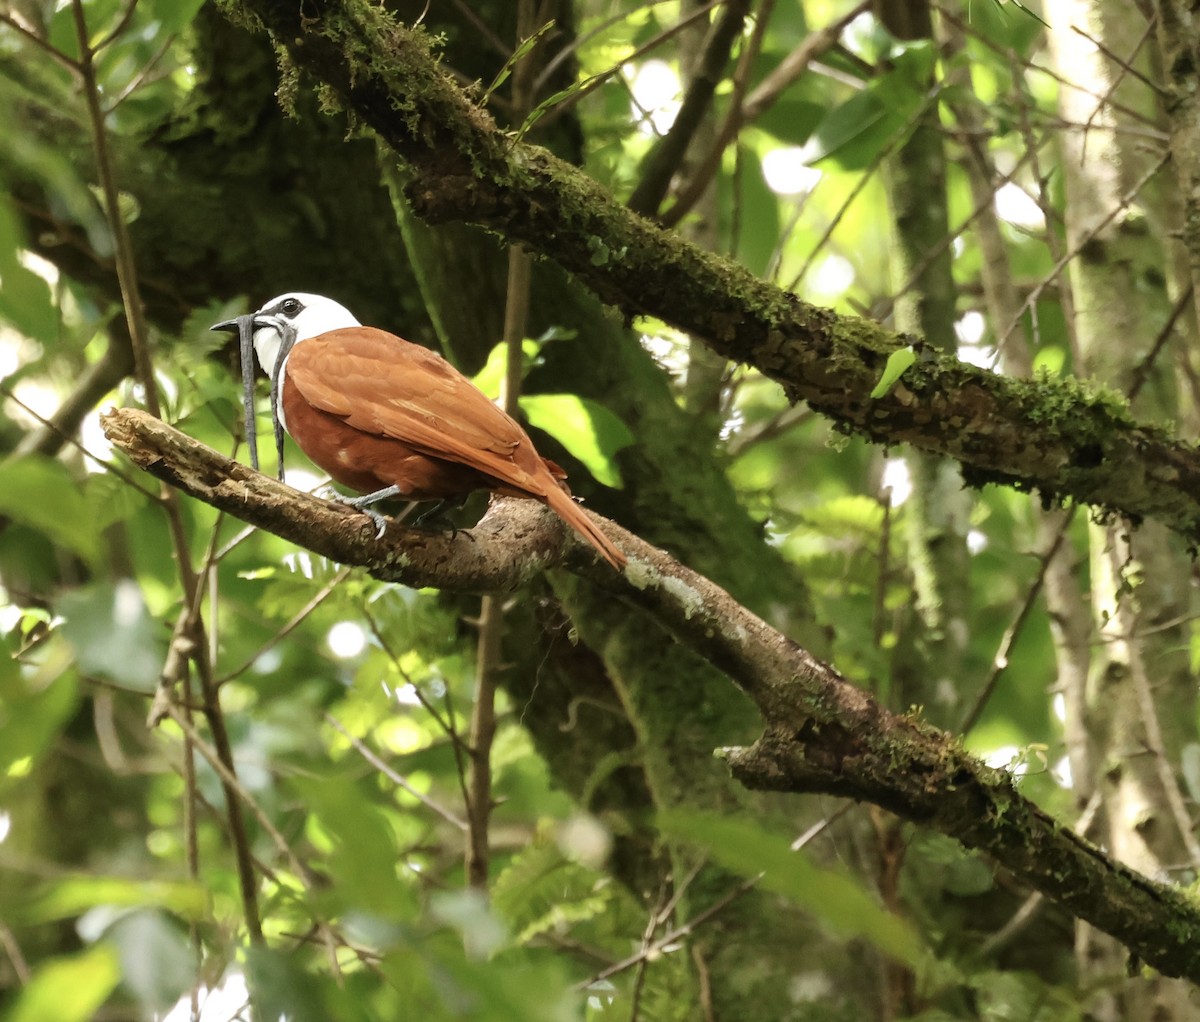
point(322, 673)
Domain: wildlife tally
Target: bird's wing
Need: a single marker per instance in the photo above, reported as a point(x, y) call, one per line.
point(390, 387)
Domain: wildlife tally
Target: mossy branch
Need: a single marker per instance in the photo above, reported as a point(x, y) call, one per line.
point(822, 734)
point(1065, 440)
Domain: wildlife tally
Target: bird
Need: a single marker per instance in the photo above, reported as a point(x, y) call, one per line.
point(389, 418)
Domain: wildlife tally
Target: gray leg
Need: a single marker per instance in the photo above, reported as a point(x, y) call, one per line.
point(364, 503)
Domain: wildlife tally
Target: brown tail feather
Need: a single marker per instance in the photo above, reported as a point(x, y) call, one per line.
point(577, 518)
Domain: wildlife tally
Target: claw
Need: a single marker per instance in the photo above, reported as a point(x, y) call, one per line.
point(363, 504)
point(381, 522)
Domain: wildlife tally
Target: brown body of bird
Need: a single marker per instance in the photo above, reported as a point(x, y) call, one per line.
point(389, 418)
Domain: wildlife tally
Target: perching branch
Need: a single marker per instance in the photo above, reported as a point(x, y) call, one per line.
point(821, 734)
point(1054, 436)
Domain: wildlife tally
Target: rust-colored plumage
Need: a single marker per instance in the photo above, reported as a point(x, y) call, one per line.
point(376, 411)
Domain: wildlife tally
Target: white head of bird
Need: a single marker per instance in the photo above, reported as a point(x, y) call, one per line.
point(308, 315)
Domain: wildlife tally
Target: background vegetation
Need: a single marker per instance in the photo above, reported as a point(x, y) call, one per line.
point(957, 467)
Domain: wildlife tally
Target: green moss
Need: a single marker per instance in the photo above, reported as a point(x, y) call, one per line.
point(1054, 399)
point(289, 82)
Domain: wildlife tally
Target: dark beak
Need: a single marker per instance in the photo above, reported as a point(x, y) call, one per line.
point(243, 326)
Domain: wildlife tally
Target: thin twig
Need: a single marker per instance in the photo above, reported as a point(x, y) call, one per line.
point(675, 935)
point(20, 965)
point(555, 62)
point(706, 168)
point(743, 111)
point(896, 138)
point(119, 28)
point(1003, 655)
point(1119, 207)
point(193, 627)
point(42, 44)
point(293, 623)
point(397, 779)
point(664, 160)
point(797, 63)
point(593, 83)
point(124, 476)
point(143, 75)
point(230, 779)
point(1011, 56)
point(1141, 371)
point(1126, 66)
point(123, 248)
point(491, 612)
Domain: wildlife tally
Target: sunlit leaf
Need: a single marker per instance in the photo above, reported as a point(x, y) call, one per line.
point(363, 858)
point(69, 896)
point(34, 709)
point(68, 989)
point(26, 304)
point(40, 493)
point(587, 429)
point(490, 378)
point(898, 361)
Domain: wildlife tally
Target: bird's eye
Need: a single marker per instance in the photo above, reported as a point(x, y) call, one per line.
point(291, 306)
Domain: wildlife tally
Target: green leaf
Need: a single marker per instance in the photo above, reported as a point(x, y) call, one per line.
point(561, 96)
point(897, 362)
point(862, 119)
point(40, 493)
point(491, 376)
point(518, 55)
point(177, 15)
point(113, 634)
point(838, 900)
point(33, 711)
point(587, 429)
point(157, 963)
point(856, 133)
point(73, 895)
point(26, 303)
point(68, 989)
point(282, 988)
point(541, 890)
point(363, 859)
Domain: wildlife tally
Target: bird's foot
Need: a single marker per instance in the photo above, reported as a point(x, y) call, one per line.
point(363, 504)
point(436, 518)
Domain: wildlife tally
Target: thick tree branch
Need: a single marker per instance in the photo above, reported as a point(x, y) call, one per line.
point(514, 541)
point(1053, 436)
point(822, 734)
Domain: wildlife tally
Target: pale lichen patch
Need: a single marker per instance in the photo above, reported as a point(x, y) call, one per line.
point(688, 597)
